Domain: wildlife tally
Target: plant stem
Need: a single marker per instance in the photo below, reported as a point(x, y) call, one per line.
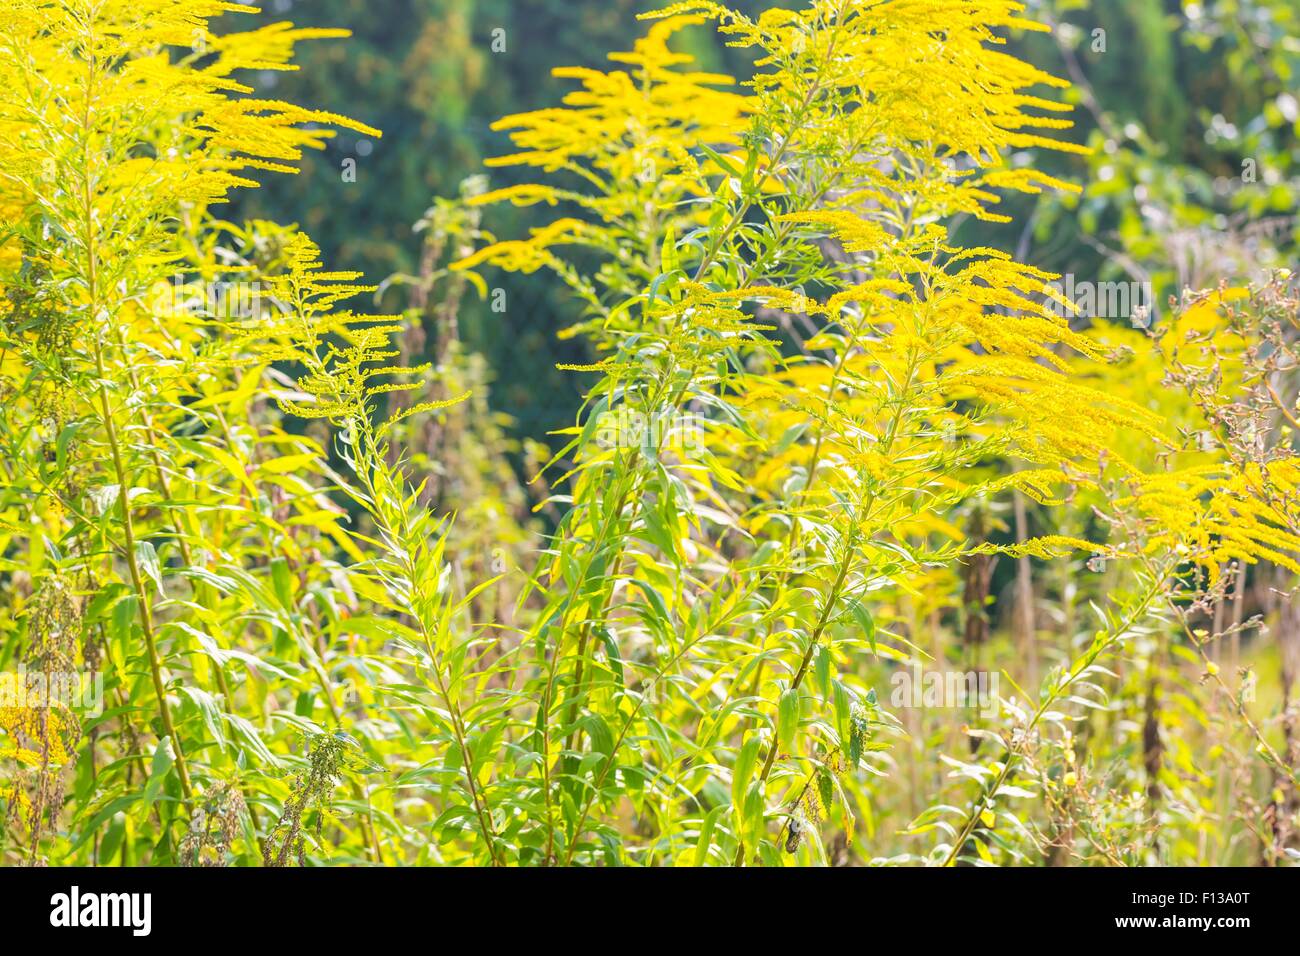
point(1067, 681)
point(142, 599)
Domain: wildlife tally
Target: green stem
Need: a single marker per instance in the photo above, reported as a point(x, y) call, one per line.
point(137, 583)
point(1083, 663)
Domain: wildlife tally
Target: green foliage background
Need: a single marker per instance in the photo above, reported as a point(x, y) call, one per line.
point(424, 71)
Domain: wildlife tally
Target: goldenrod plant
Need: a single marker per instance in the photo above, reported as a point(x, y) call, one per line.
point(270, 524)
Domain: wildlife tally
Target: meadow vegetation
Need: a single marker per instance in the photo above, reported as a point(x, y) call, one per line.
point(864, 547)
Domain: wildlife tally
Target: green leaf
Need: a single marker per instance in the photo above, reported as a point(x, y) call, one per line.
point(668, 259)
point(210, 711)
point(744, 769)
point(706, 836)
point(602, 741)
point(866, 622)
point(725, 164)
point(612, 653)
point(822, 668)
point(146, 558)
point(163, 761)
point(787, 719)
